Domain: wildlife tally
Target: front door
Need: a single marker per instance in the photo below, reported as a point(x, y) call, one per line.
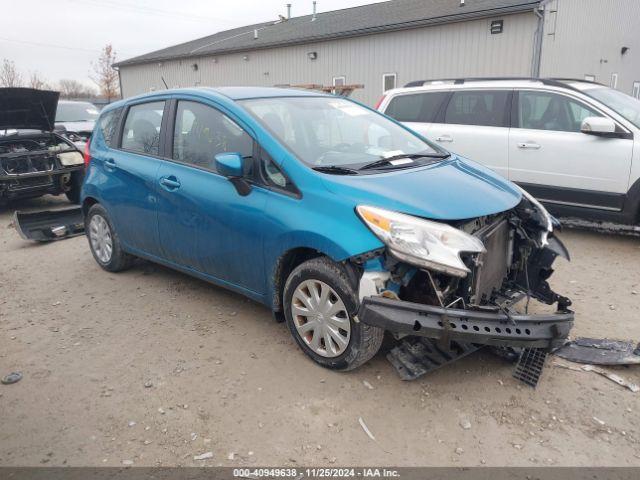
point(555, 162)
point(203, 223)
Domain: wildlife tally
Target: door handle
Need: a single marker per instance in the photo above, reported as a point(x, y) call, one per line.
point(529, 146)
point(170, 183)
point(110, 164)
point(444, 138)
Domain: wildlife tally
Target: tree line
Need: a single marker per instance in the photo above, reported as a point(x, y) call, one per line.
point(102, 74)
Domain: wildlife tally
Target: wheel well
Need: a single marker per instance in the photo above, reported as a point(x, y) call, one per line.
point(87, 204)
point(287, 262)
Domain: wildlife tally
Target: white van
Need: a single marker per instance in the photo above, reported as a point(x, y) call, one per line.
point(570, 143)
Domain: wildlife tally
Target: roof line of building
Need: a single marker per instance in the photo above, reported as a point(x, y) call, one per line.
point(424, 22)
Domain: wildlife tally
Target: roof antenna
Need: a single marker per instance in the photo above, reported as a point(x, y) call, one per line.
point(165, 83)
point(313, 18)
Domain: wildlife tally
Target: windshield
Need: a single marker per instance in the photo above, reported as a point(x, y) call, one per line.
point(623, 104)
point(76, 112)
point(325, 131)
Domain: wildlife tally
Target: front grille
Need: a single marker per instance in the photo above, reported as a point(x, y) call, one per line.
point(494, 264)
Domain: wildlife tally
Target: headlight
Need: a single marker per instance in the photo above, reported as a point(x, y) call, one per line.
point(546, 217)
point(424, 243)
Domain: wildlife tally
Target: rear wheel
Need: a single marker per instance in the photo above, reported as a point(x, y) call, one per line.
point(104, 241)
point(320, 303)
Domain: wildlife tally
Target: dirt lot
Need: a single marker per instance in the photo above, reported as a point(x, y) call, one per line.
point(222, 376)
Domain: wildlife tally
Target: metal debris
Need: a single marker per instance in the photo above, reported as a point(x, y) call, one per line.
point(366, 429)
point(203, 456)
point(601, 371)
point(595, 351)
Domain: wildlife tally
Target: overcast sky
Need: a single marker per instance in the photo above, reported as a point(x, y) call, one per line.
point(60, 38)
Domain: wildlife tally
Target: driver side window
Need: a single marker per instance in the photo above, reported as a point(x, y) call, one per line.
point(201, 132)
point(551, 111)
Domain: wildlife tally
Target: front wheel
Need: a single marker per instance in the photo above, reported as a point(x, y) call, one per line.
point(320, 303)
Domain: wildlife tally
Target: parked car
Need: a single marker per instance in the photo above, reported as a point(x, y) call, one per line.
point(342, 221)
point(573, 144)
point(76, 120)
point(34, 160)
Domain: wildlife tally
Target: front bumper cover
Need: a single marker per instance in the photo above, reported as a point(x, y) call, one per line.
point(470, 326)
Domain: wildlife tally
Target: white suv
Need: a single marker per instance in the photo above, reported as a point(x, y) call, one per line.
point(573, 144)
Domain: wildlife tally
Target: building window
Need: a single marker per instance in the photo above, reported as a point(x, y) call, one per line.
point(590, 78)
point(388, 81)
point(339, 81)
point(636, 90)
point(614, 80)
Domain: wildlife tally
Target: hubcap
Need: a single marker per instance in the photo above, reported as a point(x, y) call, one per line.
point(321, 318)
point(100, 237)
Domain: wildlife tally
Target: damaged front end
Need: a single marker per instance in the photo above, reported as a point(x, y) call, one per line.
point(466, 283)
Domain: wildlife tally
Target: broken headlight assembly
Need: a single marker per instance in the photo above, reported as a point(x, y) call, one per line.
point(420, 242)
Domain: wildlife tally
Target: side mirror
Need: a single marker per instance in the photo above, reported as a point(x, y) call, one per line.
point(229, 164)
point(601, 126)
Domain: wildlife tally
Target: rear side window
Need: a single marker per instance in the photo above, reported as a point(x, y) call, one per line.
point(142, 128)
point(551, 111)
point(420, 107)
point(201, 132)
point(108, 126)
point(468, 107)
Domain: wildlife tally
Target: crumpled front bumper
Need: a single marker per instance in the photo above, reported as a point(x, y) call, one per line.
point(548, 331)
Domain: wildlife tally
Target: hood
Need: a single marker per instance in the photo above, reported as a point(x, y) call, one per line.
point(455, 189)
point(28, 108)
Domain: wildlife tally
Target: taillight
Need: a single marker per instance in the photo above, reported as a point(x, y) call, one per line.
point(87, 156)
point(380, 102)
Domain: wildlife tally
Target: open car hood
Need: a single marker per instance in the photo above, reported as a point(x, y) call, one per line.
point(28, 108)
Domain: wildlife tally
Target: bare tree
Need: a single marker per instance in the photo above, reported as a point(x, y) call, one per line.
point(104, 75)
point(37, 81)
point(9, 75)
point(70, 88)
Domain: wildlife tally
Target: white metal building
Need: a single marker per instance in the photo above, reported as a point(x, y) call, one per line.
point(391, 43)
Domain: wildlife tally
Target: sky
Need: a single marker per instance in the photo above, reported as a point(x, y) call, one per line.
point(59, 39)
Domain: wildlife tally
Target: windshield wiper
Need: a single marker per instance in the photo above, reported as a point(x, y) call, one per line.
point(336, 169)
point(413, 156)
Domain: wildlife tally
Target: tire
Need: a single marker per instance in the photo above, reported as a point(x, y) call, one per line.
point(363, 341)
point(98, 225)
point(73, 194)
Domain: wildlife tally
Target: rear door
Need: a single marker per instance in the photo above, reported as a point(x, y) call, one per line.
point(128, 183)
point(204, 223)
point(474, 125)
point(550, 157)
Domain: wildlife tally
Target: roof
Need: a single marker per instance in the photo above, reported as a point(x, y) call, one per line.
point(232, 93)
point(349, 22)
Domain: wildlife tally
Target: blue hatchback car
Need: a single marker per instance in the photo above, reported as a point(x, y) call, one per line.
point(343, 222)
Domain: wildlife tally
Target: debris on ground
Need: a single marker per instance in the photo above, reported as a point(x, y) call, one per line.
point(367, 384)
point(366, 429)
point(465, 424)
point(203, 456)
point(595, 351)
point(13, 377)
point(601, 371)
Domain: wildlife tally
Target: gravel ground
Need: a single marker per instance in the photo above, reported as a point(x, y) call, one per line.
point(152, 367)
